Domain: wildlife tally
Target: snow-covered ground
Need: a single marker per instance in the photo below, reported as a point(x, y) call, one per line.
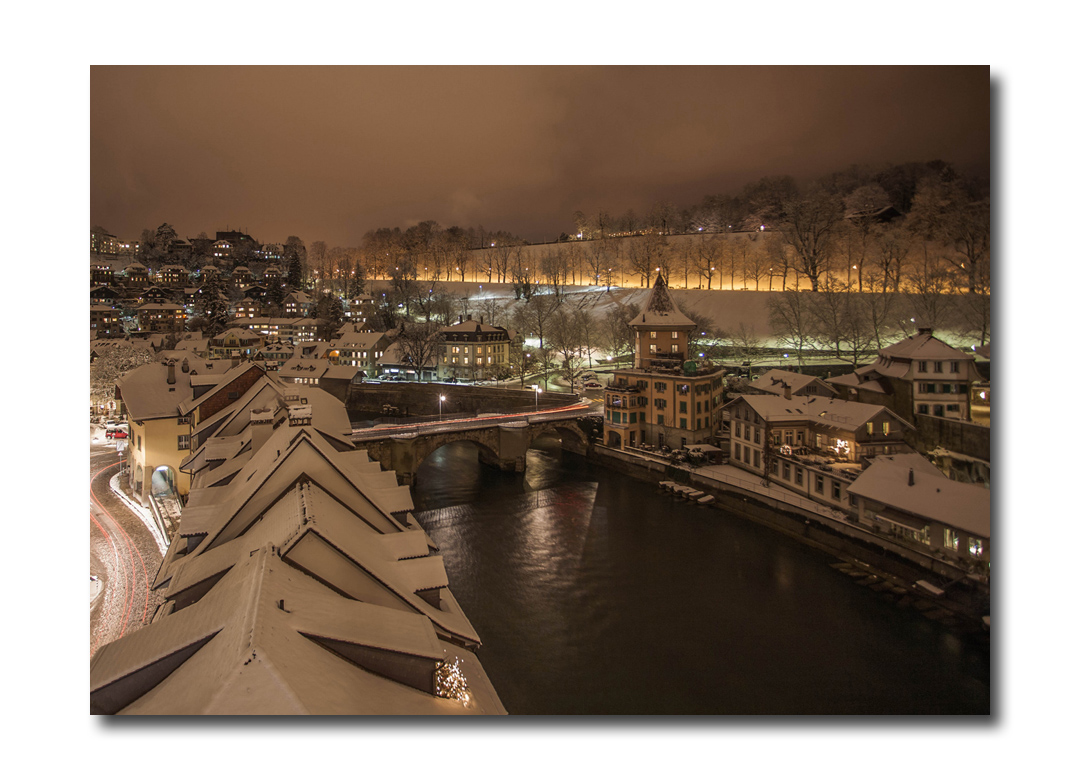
point(141, 512)
point(730, 311)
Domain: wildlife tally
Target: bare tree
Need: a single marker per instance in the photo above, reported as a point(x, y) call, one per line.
point(927, 293)
point(810, 226)
point(597, 259)
point(420, 344)
point(747, 344)
point(881, 307)
point(554, 268)
point(565, 338)
point(840, 321)
point(792, 321)
point(948, 212)
point(707, 256)
point(617, 335)
point(534, 318)
point(647, 255)
point(890, 249)
point(755, 264)
point(522, 360)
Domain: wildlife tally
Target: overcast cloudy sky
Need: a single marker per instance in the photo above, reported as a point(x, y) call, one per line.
point(327, 153)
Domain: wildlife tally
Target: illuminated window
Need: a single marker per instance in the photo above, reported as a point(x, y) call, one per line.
point(975, 547)
point(952, 540)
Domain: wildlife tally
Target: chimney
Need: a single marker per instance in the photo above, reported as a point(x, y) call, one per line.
point(262, 425)
point(787, 391)
point(172, 373)
point(481, 319)
point(910, 477)
point(184, 366)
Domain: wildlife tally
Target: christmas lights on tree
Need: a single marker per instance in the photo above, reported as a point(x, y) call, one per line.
point(450, 682)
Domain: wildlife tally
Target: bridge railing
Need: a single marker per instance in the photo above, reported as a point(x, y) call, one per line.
point(472, 423)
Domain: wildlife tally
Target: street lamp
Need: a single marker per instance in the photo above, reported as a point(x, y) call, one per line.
point(441, 399)
point(538, 391)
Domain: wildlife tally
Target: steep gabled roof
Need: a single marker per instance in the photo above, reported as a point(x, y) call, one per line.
point(233, 373)
point(660, 309)
point(774, 379)
point(292, 453)
point(923, 346)
point(268, 639)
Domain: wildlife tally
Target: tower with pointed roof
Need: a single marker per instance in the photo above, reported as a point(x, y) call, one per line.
point(667, 398)
point(660, 331)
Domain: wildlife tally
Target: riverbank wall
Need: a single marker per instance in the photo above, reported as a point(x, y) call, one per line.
point(817, 527)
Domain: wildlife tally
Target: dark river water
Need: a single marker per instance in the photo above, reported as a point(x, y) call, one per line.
point(594, 593)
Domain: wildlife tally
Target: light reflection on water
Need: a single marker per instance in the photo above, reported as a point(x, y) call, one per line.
point(596, 594)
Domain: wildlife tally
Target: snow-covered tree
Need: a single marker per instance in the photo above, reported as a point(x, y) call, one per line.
point(213, 300)
point(329, 316)
point(117, 359)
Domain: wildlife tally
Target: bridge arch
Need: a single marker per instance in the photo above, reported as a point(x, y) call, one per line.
point(428, 446)
point(569, 433)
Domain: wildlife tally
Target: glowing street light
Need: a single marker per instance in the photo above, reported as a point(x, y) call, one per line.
point(441, 399)
point(538, 391)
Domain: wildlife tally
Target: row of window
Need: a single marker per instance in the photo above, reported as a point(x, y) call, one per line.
point(465, 360)
point(944, 387)
point(954, 366)
point(939, 410)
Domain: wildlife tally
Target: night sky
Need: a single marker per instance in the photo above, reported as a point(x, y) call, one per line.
point(327, 153)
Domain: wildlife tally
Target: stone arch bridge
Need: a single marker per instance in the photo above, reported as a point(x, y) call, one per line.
point(502, 442)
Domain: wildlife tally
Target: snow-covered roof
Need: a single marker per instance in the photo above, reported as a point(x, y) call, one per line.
point(473, 326)
point(351, 339)
point(294, 367)
point(268, 639)
point(857, 380)
point(394, 356)
point(237, 332)
point(660, 310)
point(230, 375)
point(923, 346)
point(846, 415)
point(148, 395)
point(288, 453)
point(773, 381)
point(932, 496)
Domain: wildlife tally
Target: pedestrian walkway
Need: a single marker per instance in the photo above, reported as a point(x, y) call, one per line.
point(736, 477)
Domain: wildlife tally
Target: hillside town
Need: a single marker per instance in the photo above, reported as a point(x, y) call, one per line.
point(296, 579)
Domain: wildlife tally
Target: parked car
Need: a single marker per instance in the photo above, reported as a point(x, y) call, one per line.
point(120, 433)
point(592, 384)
